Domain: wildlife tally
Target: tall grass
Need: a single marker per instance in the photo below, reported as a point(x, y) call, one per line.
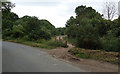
point(41, 43)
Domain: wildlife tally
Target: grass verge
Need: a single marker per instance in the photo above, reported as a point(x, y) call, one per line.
point(34, 44)
point(111, 57)
point(46, 44)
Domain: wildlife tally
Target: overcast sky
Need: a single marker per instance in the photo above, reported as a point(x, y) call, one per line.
point(55, 11)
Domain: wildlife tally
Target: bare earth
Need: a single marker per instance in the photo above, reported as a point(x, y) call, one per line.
point(87, 64)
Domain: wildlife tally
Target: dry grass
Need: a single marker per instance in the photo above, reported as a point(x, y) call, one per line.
point(111, 57)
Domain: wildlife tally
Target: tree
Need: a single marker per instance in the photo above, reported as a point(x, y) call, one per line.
point(7, 6)
point(8, 19)
point(86, 27)
point(17, 31)
point(83, 12)
point(85, 15)
point(33, 28)
point(87, 37)
point(109, 10)
point(71, 21)
point(71, 31)
point(48, 26)
point(6, 11)
point(60, 31)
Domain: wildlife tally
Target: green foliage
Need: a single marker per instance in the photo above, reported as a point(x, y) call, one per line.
point(71, 21)
point(78, 53)
point(71, 31)
point(17, 31)
point(89, 30)
point(114, 28)
point(60, 31)
point(7, 24)
point(44, 44)
point(111, 44)
point(6, 34)
point(39, 34)
point(48, 25)
point(72, 41)
point(85, 28)
point(26, 28)
point(7, 6)
point(61, 44)
point(71, 27)
point(8, 19)
point(88, 12)
point(36, 29)
point(87, 37)
point(83, 55)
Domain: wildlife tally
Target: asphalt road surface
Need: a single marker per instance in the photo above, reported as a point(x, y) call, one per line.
point(22, 58)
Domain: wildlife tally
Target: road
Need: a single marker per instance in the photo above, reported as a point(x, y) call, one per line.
point(22, 58)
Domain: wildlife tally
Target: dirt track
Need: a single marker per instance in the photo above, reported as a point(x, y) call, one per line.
point(87, 64)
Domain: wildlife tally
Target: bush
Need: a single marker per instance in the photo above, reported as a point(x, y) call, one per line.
point(83, 55)
point(88, 38)
point(61, 44)
point(111, 44)
point(72, 40)
point(17, 31)
point(26, 38)
point(78, 52)
point(40, 41)
point(39, 34)
point(6, 34)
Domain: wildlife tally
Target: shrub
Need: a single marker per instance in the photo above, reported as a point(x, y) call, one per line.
point(88, 38)
point(72, 40)
point(61, 44)
point(111, 44)
point(17, 31)
point(40, 41)
point(26, 37)
point(39, 34)
point(83, 55)
point(78, 52)
point(6, 34)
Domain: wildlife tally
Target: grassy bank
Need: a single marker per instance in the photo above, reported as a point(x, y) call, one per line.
point(111, 57)
point(46, 44)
